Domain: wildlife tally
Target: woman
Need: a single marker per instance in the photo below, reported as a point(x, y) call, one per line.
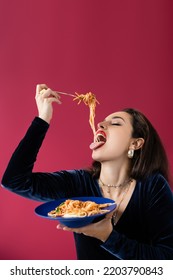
point(130, 167)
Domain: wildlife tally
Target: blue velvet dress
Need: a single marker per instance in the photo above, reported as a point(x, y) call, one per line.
point(145, 229)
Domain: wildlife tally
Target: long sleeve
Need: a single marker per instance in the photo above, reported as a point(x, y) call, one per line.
point(23, 158)
point(19, 176)
point(43, 186)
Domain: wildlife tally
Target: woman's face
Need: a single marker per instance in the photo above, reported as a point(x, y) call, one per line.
point(113, 137)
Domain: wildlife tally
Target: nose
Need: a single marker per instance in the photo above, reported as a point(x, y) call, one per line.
point(102, 125)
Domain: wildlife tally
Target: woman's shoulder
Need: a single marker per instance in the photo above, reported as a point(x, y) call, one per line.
point(156, 185)
point(154, 180)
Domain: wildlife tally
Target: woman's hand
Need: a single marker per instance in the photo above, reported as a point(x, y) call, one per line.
point(44, 99)
point(100, 230)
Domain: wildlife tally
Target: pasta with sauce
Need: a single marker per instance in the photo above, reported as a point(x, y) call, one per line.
point(78, 208)
point(90, 100)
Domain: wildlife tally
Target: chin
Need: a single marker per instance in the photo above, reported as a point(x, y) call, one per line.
point(97, 156)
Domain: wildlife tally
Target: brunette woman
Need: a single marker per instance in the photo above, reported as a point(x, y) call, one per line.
point(129, 166)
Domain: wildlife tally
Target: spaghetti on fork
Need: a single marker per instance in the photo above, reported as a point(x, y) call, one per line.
point(90, 100)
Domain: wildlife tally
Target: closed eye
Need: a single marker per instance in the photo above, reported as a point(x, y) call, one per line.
point(118, 124)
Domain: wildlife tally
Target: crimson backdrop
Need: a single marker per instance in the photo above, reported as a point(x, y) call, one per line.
point(119, 50)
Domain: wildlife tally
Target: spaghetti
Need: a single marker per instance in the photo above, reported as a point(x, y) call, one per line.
point(90, 100)
point(78, 208)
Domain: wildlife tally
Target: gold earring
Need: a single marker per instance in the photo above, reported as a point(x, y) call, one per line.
point(130, 153)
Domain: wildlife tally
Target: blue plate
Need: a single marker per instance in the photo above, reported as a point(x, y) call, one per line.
point(74, 222)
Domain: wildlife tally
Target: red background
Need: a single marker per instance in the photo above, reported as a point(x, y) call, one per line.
point(119, 50)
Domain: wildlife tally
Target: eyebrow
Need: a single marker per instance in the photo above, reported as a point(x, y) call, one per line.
point(118, 117)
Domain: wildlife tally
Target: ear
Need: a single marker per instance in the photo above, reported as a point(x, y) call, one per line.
point(136, 143)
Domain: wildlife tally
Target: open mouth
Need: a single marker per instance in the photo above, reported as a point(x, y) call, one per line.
point(100, 137)
point(100, 140)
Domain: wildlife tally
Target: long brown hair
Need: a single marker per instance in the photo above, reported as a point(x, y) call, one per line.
point(151, 157)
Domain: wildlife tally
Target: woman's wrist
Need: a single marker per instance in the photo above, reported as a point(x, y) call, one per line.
point(44, 118)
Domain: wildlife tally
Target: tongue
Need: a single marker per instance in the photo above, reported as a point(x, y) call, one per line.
point(96, 145)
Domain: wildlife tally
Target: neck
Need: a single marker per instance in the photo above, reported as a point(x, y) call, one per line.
point(111, 174)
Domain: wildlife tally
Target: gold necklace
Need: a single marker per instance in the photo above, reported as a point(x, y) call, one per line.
point(114, 216)
point(126, 182)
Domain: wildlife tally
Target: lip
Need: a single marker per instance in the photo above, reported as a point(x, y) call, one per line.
point(100, 132)
point(97, 144)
